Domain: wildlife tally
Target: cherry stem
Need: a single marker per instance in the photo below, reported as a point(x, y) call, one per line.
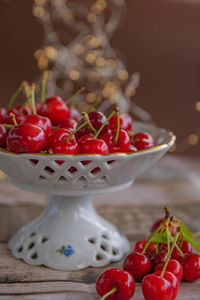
point(69, 100)
point(86, 117)
point(151, 237)
point(118, 124)
point(13, 118)
point(8, 126)
point(177, 247)
point(14, 96)
point(102, 126)
point(75, 131)
point(33, 98)
point(115, 289)
point(168, 242)
point(170, 252)
point(43, 88)
point(167, 212)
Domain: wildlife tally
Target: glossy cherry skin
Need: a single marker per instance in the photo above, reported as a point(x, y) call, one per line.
point(74, 114)
point(186, 247)
point(143, 140)
point(69, 124)
point(138, 265)
point(115, 277)
point(177, 255)
point(70, 147)
point(159, 222)
point(26, 111)
point(191, 267)
point(139, 246)
point(132, 149)
point(125, 120)
point(97, 119)
point(57, 136)
point(123, 144)
point(91, 146)
point(26, 138)
point(42, 122)
point(172, 279)
point(2, 113)
point(160, 258)
point(55, 109)
point(18, 116)
point(156, 288)
point(3, 135)
point(174, 267)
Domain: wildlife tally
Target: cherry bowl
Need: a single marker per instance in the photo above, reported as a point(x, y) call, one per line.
point(70, 235)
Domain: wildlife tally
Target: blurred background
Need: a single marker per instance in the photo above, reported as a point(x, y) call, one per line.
point(160, 39)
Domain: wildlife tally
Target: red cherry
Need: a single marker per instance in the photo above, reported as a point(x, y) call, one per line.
point(155, 287)
point(159, 222)
point(3, 135)
point(174, 267)
point(186, 247)
point(69, 124)
point(55, 109)
point(97, 119)
point(26, 138)
point(2, 113)
point(40, 121)
point(93, 146)
point(191, 267)
point(57, 136)
point(18, 116)
point(143, 140)
point(114, 277)
point(139, 246)
point(74, 114)
point(37, 107)
point(138, 265)
point(66, 147)
point(126, 122)
point(160, 258)
point(177, 255)
point(172, 279)
point(26, 111)
point(123, 143)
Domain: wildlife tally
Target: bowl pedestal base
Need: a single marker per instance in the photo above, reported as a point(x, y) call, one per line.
point(69, 235)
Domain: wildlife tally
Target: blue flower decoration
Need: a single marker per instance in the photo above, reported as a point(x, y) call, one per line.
point(66, 250)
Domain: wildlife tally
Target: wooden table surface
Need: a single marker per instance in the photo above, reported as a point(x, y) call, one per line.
point(174, 182)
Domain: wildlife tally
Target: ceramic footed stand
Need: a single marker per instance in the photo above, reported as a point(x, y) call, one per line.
point(69, 235)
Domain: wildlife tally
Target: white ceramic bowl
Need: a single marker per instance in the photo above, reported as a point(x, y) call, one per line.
point(70, 235)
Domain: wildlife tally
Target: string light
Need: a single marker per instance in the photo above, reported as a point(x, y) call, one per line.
point(39, 12)
point(100, 62)
point(91, 17)
point(193, 139)
point(91, 97)
point(40, 2)
point(51, 52)
point(197, 105)
point(74, 75)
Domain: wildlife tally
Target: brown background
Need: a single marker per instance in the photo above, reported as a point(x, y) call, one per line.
point(159, 38)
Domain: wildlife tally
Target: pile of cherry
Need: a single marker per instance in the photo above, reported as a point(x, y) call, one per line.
point(52, 126)
point(160, 262)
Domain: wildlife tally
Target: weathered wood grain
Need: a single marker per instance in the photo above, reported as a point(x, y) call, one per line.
point(133, 211)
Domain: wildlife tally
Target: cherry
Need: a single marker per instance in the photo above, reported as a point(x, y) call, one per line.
point(66, 147)
point(172, 279)
point(93, 146)
point(126, 122)
point(186, 247)
point(25, 110)
point(191, 267)
point(57, 136)
point(18, 116)
point(74, 114)
point(69, 124)
point(139, 246)
point(173, 266)
point(159, 222)
point(160, 258)
point(155, 287)
point(2, 113)
point(97, 119)
point(116, 284)
point(26, 138)
point(143, 140)
point(123, 143)
point(39, 121)
point(138, 265)
point(3, 135)
point(55, 109)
